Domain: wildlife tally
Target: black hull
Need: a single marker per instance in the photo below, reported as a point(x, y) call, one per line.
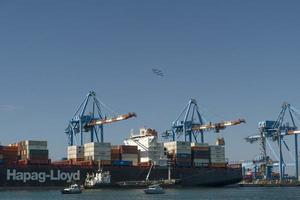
point(45, 176)
point(64, 192)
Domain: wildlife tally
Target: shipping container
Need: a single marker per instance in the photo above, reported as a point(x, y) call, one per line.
point(121, 163)
point(193, 144)
point(201, 164)
point(35, 143)
point(128, 149)
point(218, 165)
point(199, 160)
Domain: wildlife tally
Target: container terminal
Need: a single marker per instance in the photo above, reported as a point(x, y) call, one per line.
point(264, 171)
point(192, 162)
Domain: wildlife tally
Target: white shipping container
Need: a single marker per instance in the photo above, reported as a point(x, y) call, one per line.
point(193, 144)
point(212, 159)
point(177, 144)
point(76, 151)
point(216, 147)
point(217, 150)
point(217, 153)
point(217, 156)
point(218, 161)
point(97, 154)
point(97, 144)
point(96, 150)
point(97, 147)
point(100, 158)
point(75, 147)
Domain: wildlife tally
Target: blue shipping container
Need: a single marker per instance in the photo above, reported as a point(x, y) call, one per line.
point(183, 164)
point(121, 163)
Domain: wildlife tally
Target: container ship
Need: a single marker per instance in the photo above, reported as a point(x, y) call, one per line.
point(27, 163)
point(141, 157)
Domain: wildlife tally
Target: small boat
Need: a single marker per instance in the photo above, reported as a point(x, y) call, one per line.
point(72, 189)
point(154, 189)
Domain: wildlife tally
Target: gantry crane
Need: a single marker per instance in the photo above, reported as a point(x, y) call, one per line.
point(276, 131)
point(91, 120)
point(193, 124)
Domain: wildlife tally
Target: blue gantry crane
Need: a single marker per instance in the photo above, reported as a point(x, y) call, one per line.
point(276, 131)
point(89, 118)
point(190, 123)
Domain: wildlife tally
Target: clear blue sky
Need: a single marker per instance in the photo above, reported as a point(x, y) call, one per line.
point(237, 58)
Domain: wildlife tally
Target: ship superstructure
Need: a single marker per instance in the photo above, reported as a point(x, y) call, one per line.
point(149, 148)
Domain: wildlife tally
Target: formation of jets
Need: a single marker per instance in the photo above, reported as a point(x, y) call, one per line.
point(157, 72)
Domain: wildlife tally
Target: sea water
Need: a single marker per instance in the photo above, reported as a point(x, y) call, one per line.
point(180, 193)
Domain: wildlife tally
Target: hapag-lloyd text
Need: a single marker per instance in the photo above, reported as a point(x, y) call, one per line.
point(55, 175)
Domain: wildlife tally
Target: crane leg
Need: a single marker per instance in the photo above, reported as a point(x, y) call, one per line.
point(92, 134)
point(296, 156)
point(280, 159)
point(202, 137)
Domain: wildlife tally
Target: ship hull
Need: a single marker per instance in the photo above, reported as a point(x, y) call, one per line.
point(27, 176)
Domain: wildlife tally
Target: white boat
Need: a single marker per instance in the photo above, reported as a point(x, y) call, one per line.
point(72, 189)
point(97, 180)
point(154, 189)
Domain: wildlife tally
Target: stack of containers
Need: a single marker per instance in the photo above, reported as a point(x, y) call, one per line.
point(95, 151)
point(115, 153)
point(217, 155)
point(8, 154)
point(129, 153)
point(179, 152)
point(125, 155)
point(75, 153)
point(200, 154)
point(34, 152)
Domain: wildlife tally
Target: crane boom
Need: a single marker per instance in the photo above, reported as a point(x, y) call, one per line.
point(293, 132)
point(218, 126)
point(113, 119)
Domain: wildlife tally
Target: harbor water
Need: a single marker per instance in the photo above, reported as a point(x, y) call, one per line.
point(182, 193)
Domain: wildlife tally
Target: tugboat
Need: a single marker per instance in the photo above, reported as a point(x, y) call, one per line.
point(154, 189)
point(99, 180)
point(72, 189)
